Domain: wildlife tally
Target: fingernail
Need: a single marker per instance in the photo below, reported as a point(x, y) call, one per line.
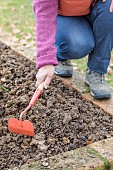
point(46, 86)
point(111, 10)
point(36, 85)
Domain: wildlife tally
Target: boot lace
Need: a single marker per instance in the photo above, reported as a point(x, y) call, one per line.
point(98, 77)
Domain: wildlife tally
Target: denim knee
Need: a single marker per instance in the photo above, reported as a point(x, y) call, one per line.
point(76, 50)
point(82, 48)
point(75, 40)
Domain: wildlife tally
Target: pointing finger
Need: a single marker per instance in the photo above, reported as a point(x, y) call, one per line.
point(111, 8)
point(47, 81)
point(39, 80)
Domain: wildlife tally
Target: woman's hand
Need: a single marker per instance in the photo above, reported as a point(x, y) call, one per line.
point(45, 75)
point(111, 6)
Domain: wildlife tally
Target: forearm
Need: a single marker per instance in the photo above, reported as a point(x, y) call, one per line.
point(45, 13)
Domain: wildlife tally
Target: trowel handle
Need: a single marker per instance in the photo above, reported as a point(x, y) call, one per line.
point(36, 94)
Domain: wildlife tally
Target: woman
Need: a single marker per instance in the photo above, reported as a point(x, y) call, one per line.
point(71, 29)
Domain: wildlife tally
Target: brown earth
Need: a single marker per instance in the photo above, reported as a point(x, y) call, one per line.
point(62, 120)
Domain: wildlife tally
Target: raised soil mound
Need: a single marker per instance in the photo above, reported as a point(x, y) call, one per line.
point(62, 120)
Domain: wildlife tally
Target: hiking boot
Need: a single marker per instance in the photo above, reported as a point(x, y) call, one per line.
point(64, 69)
point(97, 84)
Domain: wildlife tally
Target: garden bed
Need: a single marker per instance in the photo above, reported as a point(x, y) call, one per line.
point(62, 119)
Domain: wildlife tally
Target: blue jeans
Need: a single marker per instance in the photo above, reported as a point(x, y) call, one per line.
point(77, 37)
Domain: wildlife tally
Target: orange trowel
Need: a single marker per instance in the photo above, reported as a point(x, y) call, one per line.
point(25, 127)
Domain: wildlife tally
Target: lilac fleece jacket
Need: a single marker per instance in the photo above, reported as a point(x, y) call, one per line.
point(45, 14)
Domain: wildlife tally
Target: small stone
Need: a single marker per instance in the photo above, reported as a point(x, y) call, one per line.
point(3, 79)
point(33, 117)
point(83, 138)
point(52, 140)
point(34, 142)
point(72, 147)
point(43, 147)
point(66, 140)
point(67, 119)
point(80, 127)
point(45, 164)
point(90, 138)
point(25, 142)
point(93, 125)
point(88, 142)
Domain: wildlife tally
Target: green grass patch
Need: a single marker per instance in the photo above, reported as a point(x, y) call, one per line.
point(81, 64)
point(16, 16)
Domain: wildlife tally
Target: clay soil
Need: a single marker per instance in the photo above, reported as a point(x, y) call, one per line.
point(63, 121)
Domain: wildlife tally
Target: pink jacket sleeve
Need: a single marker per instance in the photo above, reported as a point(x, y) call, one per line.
point(45, 14)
